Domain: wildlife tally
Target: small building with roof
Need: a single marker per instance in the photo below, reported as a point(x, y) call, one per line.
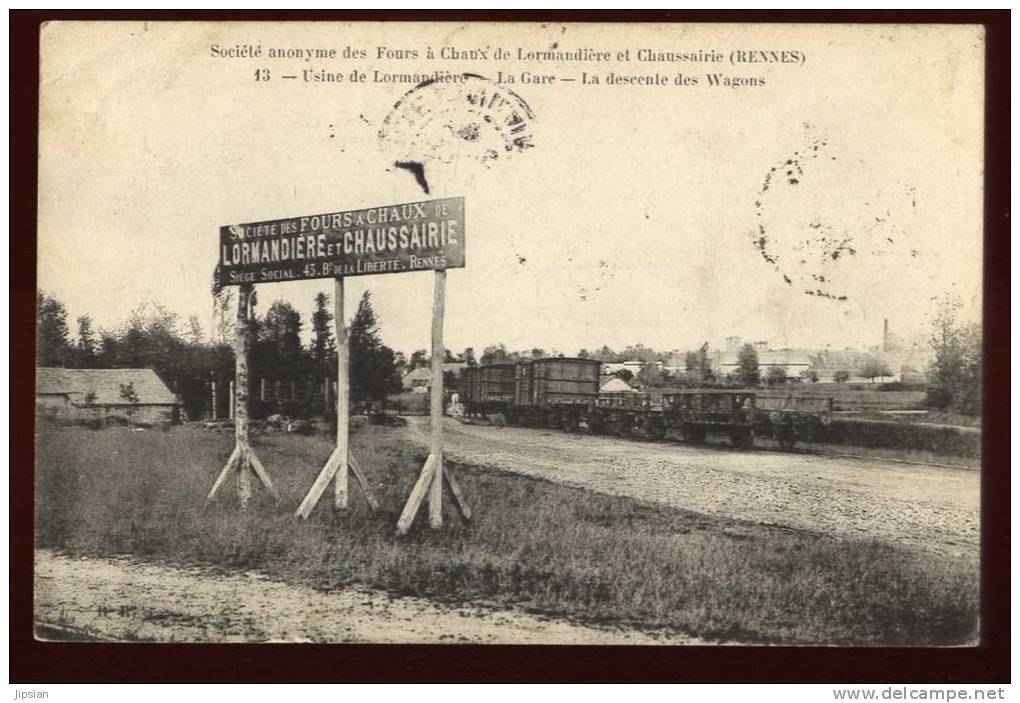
point(135, 395)
point(614, 385)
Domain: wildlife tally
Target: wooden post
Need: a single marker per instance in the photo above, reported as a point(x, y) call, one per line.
point(433, 473)
point(438, 353)
point(243, 457)
point(343, 393)
point(238, 397)
point(232, 399)
point(341, 461)
point(239, 391)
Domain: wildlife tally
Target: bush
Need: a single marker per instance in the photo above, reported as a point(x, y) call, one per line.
point(900, 386)
point(901, 435)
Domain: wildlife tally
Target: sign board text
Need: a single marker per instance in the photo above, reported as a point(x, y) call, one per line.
point(389, 239)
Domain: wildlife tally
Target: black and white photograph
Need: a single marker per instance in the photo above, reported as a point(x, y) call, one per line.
point(522, 333)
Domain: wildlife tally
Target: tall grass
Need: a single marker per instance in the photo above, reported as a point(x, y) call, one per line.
point(537, 545)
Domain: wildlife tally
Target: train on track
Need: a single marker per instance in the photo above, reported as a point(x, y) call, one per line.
point(564, 393)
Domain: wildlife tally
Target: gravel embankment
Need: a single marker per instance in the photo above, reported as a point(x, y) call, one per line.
point(935, 508)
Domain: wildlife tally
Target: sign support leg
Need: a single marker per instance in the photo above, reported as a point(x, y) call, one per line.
point(436, 410)
point(434, 473)
point(243, 457)
point(342, 395)
point(341, 461)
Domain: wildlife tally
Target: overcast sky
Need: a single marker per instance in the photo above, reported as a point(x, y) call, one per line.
point(635, 217)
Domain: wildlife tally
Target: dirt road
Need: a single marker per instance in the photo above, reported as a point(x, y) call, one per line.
point(931, 507)
point(120, 599)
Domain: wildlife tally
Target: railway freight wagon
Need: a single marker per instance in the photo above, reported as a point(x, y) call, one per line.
point(694, 414)
point(554, 392)
point(488, 389)
point(564, 393)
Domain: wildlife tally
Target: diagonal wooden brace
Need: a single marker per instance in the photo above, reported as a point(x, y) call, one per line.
point(231, 462)
point(458, 496)
point(260, 471)
point(330, 471)
point(319, 487)
point(241, 459)
point(366, 489)
point(421, 487)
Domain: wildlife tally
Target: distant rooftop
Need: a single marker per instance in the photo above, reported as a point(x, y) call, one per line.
point(104, 385)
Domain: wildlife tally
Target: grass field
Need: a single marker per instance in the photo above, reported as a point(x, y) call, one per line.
point(536, 545)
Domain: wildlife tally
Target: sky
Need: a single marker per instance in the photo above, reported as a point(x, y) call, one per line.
point(661, 215)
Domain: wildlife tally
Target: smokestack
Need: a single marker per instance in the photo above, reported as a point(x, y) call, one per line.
point(885, 334)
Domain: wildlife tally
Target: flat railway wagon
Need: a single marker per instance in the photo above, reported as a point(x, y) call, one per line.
point(564, 393)
point(692, 415)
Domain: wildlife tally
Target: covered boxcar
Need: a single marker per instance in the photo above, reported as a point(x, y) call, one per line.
point(469, 388)
point(555, 392)
point(488, 389)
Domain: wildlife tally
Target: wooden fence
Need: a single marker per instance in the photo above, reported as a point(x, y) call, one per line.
point(301, 398)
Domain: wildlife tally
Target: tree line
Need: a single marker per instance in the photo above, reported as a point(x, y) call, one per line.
point(187, 359)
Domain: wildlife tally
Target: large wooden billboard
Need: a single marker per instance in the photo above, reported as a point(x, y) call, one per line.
point(389, 239)
point(426, 235)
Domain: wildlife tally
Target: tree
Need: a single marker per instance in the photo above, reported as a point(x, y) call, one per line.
point(651, 376)
point(955, 371)
point(705, 365)
point(873, 367)
point(88, 346)
point(448, 357)
point(639, 352)
point(776, 375)
point(468, 356)
point(967, 396)
point(748, 373)
point(494, 353)
point(400, 361)
point(149, 339)
point(419, 359)
point(691, 362)
point(51, 342)
point(225, 316)
point(282, 327)
point(625, 374)
point(323, 347)
point(809, 375)
point(128, 393)
point(195, 334)
point(841, 376)
point(373, 368)
point(277, 352)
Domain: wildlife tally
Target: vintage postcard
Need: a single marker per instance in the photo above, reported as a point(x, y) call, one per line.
point(509, 333)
